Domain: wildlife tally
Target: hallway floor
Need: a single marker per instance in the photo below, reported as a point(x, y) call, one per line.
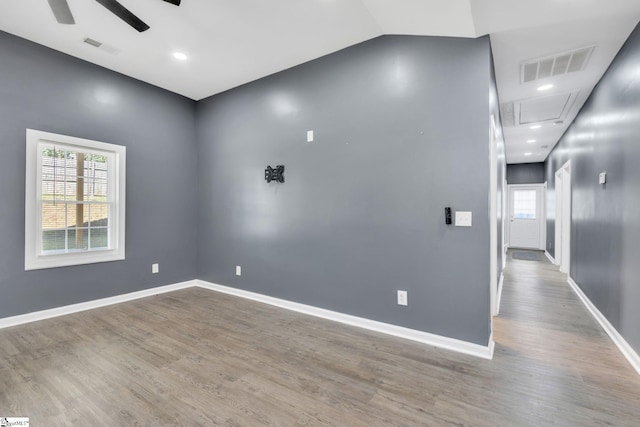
point(555, 356)
point(198, 357)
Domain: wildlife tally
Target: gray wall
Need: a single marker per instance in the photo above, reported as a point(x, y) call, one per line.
point(605, 232)
point(526, 173)
point(46, 90)
point(400, 125)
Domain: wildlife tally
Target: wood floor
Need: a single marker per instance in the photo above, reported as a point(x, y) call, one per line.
point(196, 357)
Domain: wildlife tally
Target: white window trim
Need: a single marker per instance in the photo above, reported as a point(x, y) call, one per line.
point(33, 258)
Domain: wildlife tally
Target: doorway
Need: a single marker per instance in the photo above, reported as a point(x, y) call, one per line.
point(563, 218)
point(526, 216)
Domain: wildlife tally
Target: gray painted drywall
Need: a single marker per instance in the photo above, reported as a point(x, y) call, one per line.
point(526, 173)
point(605, 231)
point(401, 131)
point(47, 90)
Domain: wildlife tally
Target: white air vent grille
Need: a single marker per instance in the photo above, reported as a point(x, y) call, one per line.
point(92, 42)
point(566, 62)
point(102, 46)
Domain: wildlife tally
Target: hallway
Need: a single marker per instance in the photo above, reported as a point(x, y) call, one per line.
point(552, 353)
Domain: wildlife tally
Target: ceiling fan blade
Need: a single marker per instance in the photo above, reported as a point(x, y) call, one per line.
point(125, 14)
point(61, 11)
point(176, 2)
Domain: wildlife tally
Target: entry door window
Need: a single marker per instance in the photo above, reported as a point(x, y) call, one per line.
point(524, 204)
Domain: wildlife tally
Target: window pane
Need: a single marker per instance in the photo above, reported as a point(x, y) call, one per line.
point(53, 216)
point(74, 192)
point(99, 238)
point(99, 215)
point(53, 240)
point(78, 239)
point(524, 204)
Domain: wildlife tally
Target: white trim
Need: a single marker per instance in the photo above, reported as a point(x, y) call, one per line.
point(500, 285)
point(618, 340)
point(33, 257)
point(548, 255)
point(485, 352)
point(83, 306)
point(493, 219)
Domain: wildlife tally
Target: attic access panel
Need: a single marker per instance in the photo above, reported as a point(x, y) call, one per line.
point(545, 108)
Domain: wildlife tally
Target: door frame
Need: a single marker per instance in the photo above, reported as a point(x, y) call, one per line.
point(542, 188)
point(493, 219)
point(562, 250)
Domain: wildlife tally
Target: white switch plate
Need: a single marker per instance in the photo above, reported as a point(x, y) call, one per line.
point(155, 268)
point(463, 219)
point(602, 179)
point(309, 136)
point(402, 298)
point(238, 270)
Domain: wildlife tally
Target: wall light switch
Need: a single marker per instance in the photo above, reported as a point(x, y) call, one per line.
point(155, 268)
point(238, 270)
point(463, 219)
point(602, 179)
point(402, 298)
point(309, 136)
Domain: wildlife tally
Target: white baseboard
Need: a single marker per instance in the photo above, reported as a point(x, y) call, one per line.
point(500, 284)
point(623, 345)
point(74, 308)
point(485, 352)
point(553, 261)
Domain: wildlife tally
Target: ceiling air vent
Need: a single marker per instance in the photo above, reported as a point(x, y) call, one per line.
point(555, 65)
point(92, 42)
point(104, 47)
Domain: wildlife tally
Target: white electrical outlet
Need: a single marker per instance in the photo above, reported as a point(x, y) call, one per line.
point(402, 298)
point(309, 136)
point(238, 270)
point(155, 268)
point(463, 219)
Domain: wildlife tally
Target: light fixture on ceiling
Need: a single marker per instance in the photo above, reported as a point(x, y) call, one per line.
point(544, 87)
point(535, 127)
point(531, 141)
point(528, 153)
point(179, 55)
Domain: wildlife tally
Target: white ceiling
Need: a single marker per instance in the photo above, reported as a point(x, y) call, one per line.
point(232, 42)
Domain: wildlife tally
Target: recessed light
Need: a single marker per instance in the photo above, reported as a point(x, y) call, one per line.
point(530, 141)
point(535, 127)
point(528, 154)
point(179, 55)
point(545, 87)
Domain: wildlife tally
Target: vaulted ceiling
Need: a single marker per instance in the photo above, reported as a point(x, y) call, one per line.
point(231, 42)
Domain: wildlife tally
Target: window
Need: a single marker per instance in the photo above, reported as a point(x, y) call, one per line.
point(524, 204)
point(74, 201)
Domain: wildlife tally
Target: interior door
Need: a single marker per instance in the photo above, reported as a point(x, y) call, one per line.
point(526, 216)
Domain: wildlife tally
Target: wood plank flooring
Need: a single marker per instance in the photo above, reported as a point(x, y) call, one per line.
point(196, 357)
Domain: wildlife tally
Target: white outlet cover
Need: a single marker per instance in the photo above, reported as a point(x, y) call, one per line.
point(238, 270)
point(602, 179)
point(463, 219)
point(402, 298)
point(155, 268)
point(309, 136)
